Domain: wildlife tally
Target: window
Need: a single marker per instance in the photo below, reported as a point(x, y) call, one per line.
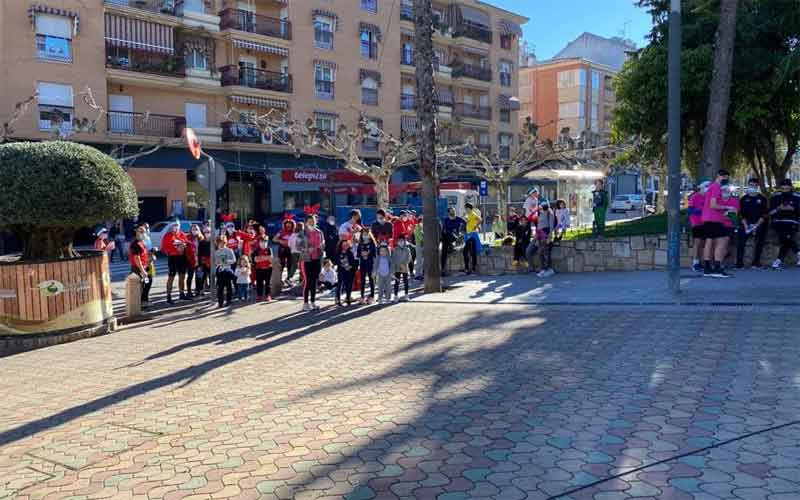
point(196, 60)
point(324, 77)
point(298, 199)
point(571, 110)
point(506, 41)
point(595, 115)
point(371, 142)
point(369, 92)
point(571, 78)
point(506, 70)
point(195, 115)
point(369, 44)
point(505, 115)
point(504, 141)
point(54, 38)
point(194, 6)
point(326, 123)
point(408, 54)
point(323, 32)
point(55, 106)
point(369, 5)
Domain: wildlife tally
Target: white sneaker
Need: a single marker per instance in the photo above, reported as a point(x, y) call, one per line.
point(314, 306)
point(405, 298)
point(777, 264)
point(549, 273)
point(541, 273)
point(306, 306)
point(396, 298)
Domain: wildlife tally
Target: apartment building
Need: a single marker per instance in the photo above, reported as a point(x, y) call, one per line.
point(574, 89)
point(157, 66)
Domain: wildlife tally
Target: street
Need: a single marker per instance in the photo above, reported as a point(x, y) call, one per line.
point(463, 395)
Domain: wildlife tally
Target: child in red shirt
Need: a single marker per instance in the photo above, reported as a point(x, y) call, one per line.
point(262, 258)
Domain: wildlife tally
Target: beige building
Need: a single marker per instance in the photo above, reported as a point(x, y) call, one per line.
point(157, 66)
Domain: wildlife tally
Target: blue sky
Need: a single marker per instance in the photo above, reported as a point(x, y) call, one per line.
point(554, 23)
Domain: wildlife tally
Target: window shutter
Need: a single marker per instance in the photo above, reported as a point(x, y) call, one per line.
point(57, 26)
point(55, 94)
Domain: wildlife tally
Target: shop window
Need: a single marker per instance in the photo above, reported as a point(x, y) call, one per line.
point(298, 199)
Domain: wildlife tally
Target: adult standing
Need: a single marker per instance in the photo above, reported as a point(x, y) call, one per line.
point(714, 213)
point(331, 234)
point(284, 252)
point(452, 227)
point(351, 226)
point(138, 256)
point(472, 239)
point(404, 226)
point(785, 211)
point(599, 208)
point(697, 201)
point(311, 246)
point(753, 213)
point(382, 228)
point(192, 257)
point(203, 272)
point(174, 246)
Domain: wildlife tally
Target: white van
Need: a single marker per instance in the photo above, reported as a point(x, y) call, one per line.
point(457, 198)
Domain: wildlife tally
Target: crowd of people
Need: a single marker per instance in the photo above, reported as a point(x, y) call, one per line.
point(717, 216)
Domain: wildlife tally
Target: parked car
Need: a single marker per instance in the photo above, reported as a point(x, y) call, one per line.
point(159, 229)
point(626, 202)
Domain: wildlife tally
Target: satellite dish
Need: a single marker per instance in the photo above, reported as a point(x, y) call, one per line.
point(203, 175)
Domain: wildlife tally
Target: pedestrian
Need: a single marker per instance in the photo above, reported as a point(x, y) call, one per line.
point(401, 259)
point(419, 249)
point(294, 242)
point(262, 260)
point(382, 228)
point(103, 244)
point(785, 212)
point(531, 205)
point(247, 239)
point(513, 220)
point(174, 245)
point(203, 271)
point(310, 246)
point(714, 215)
point(452, 228)
point(346, 269)
point(498, 227)
point(224, 259)
point(367, 251)
point(351, 226)
point(234, 242)
point(383, 271)
point(331, 233)
point(472, 239)
point(284, 252)
point(697, 201)
point(545, 229)
point(192, 258)
point(243, 271)
point(753, 214)
point(731, 216)
point(138, 256)
point(522, 239)
point(599, 208)
point(328, 278)
point(120, 240)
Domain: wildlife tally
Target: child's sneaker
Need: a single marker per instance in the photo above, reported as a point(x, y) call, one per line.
point(306, 306)
point(268, 298)
point(540, 274)
point(396, 298)
point(404, 298)
point(362, 301)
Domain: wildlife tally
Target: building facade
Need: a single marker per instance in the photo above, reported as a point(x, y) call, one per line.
point(157, 66)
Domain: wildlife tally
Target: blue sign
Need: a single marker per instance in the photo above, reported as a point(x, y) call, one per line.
point(483, 188)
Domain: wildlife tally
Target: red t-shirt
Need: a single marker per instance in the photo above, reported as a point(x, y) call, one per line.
point(169, 243)
point(139, 249)
point(247, 241)
point(405, 228)
point(262, 258)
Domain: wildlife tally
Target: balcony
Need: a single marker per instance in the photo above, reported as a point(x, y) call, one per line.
point(168, 7)
point(470, 71)
point(145, 62)
point(407, 101)
point(464, 110)
point(243, 20)
point(256, 78)
point(370, 145)
point(505, 152)
point(473, 31)
point(407, 12)
point(145, 124)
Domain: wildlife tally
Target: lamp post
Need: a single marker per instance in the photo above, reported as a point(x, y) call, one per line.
point(674, 150)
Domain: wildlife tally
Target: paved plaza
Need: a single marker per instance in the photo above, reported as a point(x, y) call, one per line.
point(463, 395)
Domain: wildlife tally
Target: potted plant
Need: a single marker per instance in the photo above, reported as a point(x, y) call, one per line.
point(51, 190)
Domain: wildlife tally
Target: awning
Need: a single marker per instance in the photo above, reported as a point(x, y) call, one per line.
point(138, 34)
point(260, 101)
point(476, 51)
point(371, 28)
point(322, 112)
point(260, 47)
point(328, 14)
point(508, 102)
point(363, 74)
point(408, 125)
point(44, 9)
point(507, 27)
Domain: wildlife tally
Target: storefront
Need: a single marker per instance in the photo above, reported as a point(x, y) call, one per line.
point(573, 186)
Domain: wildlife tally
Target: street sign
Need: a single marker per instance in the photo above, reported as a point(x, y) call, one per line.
point(203, 175)
point(483, 188)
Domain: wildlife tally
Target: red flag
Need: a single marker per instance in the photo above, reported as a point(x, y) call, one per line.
point(193, 142)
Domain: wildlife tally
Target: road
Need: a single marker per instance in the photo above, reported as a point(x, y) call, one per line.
point(458, 396)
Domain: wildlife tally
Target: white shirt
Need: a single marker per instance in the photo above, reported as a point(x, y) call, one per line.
point(328, 276)
point(530, 206)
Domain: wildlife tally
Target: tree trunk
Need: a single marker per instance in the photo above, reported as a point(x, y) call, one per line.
point(426, 143)
point(720, 96)
point(382, 191)
point(45, 243)
point(502, 202)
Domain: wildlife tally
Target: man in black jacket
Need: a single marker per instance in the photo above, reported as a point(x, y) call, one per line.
point(785, 211)
point(753, 211)
point(382, 228)
point(331, 233)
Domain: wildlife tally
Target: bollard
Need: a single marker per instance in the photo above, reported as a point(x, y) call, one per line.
point(133, 296)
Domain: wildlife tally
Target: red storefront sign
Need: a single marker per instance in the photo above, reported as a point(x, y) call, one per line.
point(323, 176)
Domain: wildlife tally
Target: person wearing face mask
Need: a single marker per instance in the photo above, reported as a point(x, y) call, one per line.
point(174, 245)
point(382, 228)
point(366, 252)
point(192, 260)
point(401, 258)
point(234, 243)
point(225, 260)
point(204, 263)
point(472, 240)
point(452, 227)
point(714, 214)
point(753, 213)
point(285, 256)
point(138, 258)
point(544, 233)
point(331, 233)
point(310, 245)
point(696, 202)
point(403, 226)
point(785, 212)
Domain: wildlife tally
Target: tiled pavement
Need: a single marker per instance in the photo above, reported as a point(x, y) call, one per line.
point(418, 400)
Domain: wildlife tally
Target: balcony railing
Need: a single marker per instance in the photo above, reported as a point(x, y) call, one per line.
point(168, 7)
point(461, 70)
point(407, 12)
point(407, 57)
point(145, 62)
point(505, 79)
point(471, 111)
point(241, 132)
point(243, 20)
point(407, 101)
point(146, 124)
point(473, 31)
point(256, 78)
point(324, 89)
point(484, 148)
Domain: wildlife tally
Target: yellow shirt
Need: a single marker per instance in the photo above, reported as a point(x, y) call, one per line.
point(473, 220)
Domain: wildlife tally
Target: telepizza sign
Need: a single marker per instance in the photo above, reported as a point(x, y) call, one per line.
point(322, 176)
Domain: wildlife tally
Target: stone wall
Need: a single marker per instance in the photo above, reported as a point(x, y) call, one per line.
point(630, 253)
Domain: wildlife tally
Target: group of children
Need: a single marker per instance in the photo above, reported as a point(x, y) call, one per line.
point(537, 231)
point(243, 259)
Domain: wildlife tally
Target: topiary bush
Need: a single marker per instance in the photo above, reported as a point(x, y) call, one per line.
point(49, 190)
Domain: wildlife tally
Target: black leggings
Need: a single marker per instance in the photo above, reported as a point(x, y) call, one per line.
point(224, 283)
point(345, 284)
point(786, 234)
point(310, 271)
point(366, 274)
point(470, 255)
point(263, 278)
point(397, 278)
